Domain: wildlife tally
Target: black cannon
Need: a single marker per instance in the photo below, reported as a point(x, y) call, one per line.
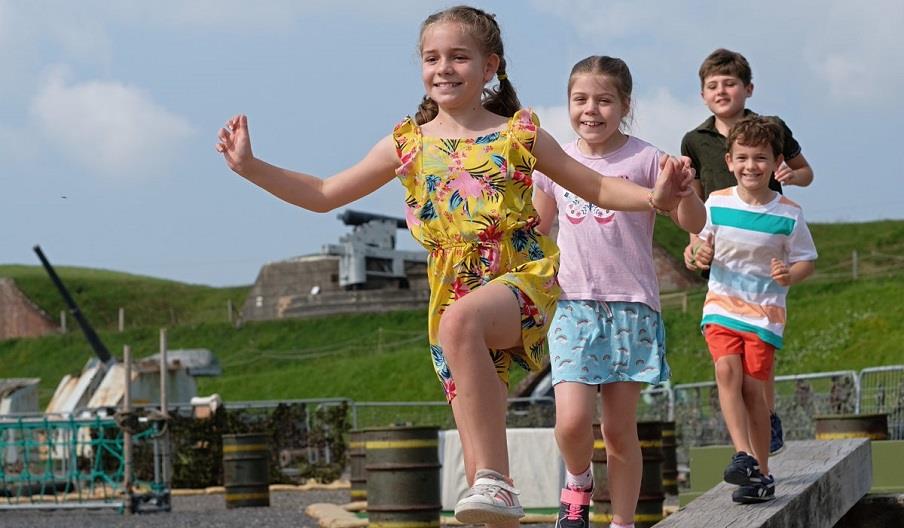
point(356, 218)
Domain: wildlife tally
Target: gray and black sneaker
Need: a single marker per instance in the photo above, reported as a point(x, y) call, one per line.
point(743, 470)
point(777, 436)
point(574, 508)
point(763, 491)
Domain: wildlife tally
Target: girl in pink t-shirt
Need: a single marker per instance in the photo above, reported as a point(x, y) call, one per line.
point(607, 332)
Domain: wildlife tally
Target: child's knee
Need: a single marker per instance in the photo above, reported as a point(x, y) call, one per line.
point(620, 439)
point(728, 370)
point(453, 325)
point(573, 425)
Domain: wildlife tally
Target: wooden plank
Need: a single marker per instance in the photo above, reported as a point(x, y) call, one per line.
point(817, 482)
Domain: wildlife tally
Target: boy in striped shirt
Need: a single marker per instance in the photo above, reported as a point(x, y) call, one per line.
point(759, 246)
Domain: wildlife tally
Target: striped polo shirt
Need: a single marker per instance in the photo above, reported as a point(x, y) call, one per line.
point(742, 295)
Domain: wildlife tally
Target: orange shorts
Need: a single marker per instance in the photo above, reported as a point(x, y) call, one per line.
point(756, 355)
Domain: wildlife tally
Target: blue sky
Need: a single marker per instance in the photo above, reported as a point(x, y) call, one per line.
point(109, 110)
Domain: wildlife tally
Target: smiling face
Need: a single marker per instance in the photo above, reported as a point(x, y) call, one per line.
point(453, 68)
point(596, 110)
point(725, 95)
point(752, 167)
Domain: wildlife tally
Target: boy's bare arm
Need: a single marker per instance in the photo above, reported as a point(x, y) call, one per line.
point(796, 171)
point(693, 239)
point(793, 274)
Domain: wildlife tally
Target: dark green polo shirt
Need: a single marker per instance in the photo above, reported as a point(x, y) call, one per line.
point(706, 148)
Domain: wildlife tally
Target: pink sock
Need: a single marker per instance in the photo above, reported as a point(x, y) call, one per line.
point(581, 481)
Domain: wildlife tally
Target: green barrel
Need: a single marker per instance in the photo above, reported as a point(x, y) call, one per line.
point(246, 470)
point(403, 478)
point(841, 426)
point(649, 503)
point(356, 458)
point(669, 459)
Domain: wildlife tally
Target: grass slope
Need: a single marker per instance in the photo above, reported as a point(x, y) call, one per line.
point(834, 323)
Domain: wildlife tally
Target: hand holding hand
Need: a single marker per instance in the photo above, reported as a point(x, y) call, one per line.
point(672, 184)
point(235, 143)
point(703, 256)
point(780, 272)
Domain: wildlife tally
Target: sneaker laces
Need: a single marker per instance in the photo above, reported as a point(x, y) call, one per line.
point(574, 512)
point(490, 487)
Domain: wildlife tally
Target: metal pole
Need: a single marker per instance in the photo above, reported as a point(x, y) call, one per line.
point(854, 264)
point(229, 310)
point(63, 321)
point(122, 319)
point(126, 435)
point(164, 408)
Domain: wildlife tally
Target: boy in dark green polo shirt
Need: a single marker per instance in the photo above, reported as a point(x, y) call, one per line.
point(726, 82)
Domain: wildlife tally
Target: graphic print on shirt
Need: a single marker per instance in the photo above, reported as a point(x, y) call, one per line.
point(577, 209)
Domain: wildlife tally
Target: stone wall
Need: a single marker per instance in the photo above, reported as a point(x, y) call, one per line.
point(19, 316)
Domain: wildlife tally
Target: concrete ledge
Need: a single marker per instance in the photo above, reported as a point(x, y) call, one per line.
point(817, 482)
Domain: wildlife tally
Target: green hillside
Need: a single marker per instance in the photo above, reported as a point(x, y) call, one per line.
point(834, 323)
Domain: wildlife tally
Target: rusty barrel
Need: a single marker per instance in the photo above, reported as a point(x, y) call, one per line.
point(649, 503)
point(403, 477)
point(841, 426)
point(669, 459)
point(356, 458)
point(246, 470)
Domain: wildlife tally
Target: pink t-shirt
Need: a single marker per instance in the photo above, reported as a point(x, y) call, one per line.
point(607, 255)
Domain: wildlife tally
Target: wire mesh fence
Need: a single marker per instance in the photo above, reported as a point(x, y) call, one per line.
point(882, 391)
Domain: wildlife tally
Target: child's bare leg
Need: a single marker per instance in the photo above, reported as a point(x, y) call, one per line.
point(575, 408)
point(769, 392)
point(758, 420)
point(623, 455)
point(730, 380)
point(486, 318)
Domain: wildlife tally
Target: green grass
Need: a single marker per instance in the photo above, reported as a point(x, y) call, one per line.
point(834, 323)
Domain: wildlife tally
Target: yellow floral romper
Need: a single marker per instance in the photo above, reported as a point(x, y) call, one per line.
point(469, 204)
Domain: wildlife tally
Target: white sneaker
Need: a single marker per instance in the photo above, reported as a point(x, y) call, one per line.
point(491, 499)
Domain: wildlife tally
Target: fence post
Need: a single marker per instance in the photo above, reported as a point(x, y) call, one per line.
point(684, 302)
point(122, 319)
point(63, 321)
point(126, 435)
point(229, 310)
point(166, 469)
point(854, 264)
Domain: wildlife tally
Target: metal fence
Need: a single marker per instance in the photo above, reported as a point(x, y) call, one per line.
point(882, 391)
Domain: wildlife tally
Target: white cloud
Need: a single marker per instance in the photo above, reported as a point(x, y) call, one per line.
point(662, 120)
point(110, 128)
point(555, 120)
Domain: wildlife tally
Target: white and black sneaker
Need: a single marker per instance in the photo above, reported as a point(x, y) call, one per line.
point(491, 499)
point(763, 491)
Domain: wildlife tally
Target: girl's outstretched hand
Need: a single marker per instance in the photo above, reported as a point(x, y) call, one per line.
point(235, 143)
point(673, 183)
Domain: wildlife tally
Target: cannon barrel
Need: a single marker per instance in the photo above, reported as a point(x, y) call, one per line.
point(90, 335)
point(356, 218)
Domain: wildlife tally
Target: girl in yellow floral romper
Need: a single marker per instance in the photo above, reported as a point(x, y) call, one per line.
point(466, 161)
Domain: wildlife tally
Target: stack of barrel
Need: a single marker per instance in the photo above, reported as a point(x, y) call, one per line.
point(402, 477)
point(649, 504)
point(843, 426)
point(669, 459)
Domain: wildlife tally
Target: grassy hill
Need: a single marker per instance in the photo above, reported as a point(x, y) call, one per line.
point(835, 323)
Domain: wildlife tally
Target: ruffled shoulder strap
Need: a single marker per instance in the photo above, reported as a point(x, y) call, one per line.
point(407, 137)
point(524, 126)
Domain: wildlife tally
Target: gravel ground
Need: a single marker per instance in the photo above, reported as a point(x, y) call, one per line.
point(202, 511)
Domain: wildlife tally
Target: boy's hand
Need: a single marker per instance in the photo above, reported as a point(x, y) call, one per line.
point(235, 143)
point(689, 256)
point(784, 174)
point(780, 272)
point(703, 256)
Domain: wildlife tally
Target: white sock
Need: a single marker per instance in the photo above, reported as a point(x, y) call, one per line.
point(616, 525)
point(581, 481)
